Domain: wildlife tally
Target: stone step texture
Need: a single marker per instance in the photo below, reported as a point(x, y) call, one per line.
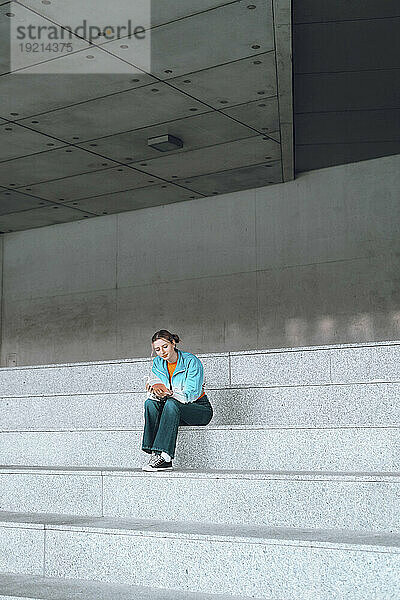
point(251, 561)
point(231, 447)
point(362, 502)
point(15, 587)
point(365, 363)
point(333, 405)
point(326, 408)
point(292, 490)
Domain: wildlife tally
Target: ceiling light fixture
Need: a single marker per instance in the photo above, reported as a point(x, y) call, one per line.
point(165, 143)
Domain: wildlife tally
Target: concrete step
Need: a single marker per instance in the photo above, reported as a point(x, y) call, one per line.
point(334, 405)
point(15, 587)
point(254, 561)
point(357, 501)
point(346, 449)
point(362, 363)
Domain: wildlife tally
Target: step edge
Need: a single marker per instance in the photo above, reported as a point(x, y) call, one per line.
point(372, 344)
point(262, 475)
point(247, 534)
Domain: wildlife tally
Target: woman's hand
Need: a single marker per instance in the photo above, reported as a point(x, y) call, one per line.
point(159, 392)
point(163, 393)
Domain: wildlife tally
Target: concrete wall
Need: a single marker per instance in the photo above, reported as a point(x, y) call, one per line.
point(1, 286)
point(312, 261)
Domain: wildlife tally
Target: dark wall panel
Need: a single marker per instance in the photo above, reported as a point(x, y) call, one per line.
point(347, 91)
point(346, 57)
point(347, 46)
point(311, 11)
point(318, 156)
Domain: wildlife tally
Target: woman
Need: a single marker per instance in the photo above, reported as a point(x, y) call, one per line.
point(178, 398)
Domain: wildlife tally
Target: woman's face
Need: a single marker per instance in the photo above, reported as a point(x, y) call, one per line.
point(165, 349)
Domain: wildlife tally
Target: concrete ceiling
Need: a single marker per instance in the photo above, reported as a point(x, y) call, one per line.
point(74, 143)
point(346, 81)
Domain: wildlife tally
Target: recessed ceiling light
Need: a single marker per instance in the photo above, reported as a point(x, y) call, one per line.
point(105, 212)
point(193, 109)
point(119, 169)
point(8, 128)
point(34, 121)
point(256, 62)
point(143, 164)
point(68, 151)
point(168, 71)
point(124, 46)
point(187, 81)
point(174, 176)
point(93, 145)
point(14, 114)
point(10, 14)
point(224, 101)
point(261, 92)
point(255, 46)
point(165, 143)
point(49, 144)
point(75, 138)
point(164, 186)
point(46, 2)
point(55, 207)
point(135, 80)
point(262, 105)
point(251, 6)
point(90, 56)
point(104, 164)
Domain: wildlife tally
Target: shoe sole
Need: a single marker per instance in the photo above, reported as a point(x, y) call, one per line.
point(153, 470)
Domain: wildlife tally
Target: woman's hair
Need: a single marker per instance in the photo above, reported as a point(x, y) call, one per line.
point(166, 335)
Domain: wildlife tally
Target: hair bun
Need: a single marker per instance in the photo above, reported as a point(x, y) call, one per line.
point(176, 338)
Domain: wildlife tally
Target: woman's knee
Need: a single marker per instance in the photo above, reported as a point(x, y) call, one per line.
point(172, 405)
point(150, 405)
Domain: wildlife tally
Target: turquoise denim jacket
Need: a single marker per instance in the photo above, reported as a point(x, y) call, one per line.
point(187, 380)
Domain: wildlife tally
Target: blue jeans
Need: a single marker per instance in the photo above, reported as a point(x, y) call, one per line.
point(163, 417)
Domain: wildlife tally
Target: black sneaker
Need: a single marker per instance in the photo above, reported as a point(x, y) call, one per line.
point(158, 463)
point(154, 456)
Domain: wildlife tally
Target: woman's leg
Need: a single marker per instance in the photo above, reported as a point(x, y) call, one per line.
point(174, 414)
point(152, 412)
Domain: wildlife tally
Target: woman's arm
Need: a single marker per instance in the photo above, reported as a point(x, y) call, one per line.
point(156, 387)
point(193, 386)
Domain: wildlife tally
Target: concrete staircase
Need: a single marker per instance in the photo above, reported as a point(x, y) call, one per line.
point(291, 492)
